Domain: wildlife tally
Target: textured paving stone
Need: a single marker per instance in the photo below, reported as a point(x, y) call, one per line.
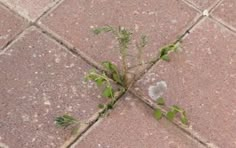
point(131, 125)
point(226, 12)
point(202, 79)
point(162, 21)
point(40, 80)
point(10, 25)
point(31, 9)
point(203, 4)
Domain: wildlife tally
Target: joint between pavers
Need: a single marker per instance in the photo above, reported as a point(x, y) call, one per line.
point(75, 51)
point(223, 24)
point(187, 130)
point(215, 5)
point(15, 12)
point(14, 39)
point(156, 60)
point(27, 18)
point(192, 5)
point(49, 9)
point(92, 122)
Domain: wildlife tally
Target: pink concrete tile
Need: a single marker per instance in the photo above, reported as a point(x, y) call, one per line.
point(162, 21)
point(10, 25)
point(203, 4)
point(131, 125)
point(202, 79)
point(30, 9)
point(226, 12)
point(40, 80)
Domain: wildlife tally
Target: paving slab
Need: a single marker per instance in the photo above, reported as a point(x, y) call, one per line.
point(226, 12)
point(203, 4)
point(162, 21)
point(201, 79)
point(132, 125)
point(30, 9)
point(40, 80)
point(10, 26)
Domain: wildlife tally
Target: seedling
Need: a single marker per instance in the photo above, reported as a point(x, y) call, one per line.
point(65, 121)
point(111, 74)
point(172, 112)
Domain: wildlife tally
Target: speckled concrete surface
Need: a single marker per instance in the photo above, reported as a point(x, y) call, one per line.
point(226, 13)
point(41, 77)
point(132, 125)
point(10, 25)
point(162, 21)
point(40, 80)
point(30, 9)
point(203, 4)
point(202, 79)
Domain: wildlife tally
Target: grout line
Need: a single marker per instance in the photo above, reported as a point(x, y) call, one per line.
point(49, 9)
point(223, 24)
point(191, 4)
point(184, 35)
point(215, 5)
point(93, 121)
point(12, 41)
point(15, 12)
point(187, 130)
point(68, 46)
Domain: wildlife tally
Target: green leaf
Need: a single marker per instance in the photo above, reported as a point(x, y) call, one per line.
point(99, 81)
point(176, 109)
point(158, 114)
point(160, 101)
point(109, 106)
point(113, 71)
point(184, 120)
point(165, 58)
point(109, 66)
point(117, 78)
point(170, 115)
point(102, 29)
point(101, 106)
point(65, 120)
point(108, 92)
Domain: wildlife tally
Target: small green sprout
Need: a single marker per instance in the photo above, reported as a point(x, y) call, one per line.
point(171, 114)
point(65, 121)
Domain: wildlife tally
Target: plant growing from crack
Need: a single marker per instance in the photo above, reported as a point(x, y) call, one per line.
point(65, 121)
point(172, 112)
point(111, 74)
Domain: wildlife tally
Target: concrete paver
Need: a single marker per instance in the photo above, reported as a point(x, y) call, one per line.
point(30, 9)
point(202, 79)
point(132, 125)
point(162, 21)
point(226, 12)
point(10, 26)
point(40, 80)
point(203, 4)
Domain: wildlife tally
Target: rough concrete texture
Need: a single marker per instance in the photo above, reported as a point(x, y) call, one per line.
point(162, 21)
point(203, 4)
point(10, 25)
point(30, 9)
point(202, 79)
point(40, 80)
point(131, 125)
point(226, 12)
